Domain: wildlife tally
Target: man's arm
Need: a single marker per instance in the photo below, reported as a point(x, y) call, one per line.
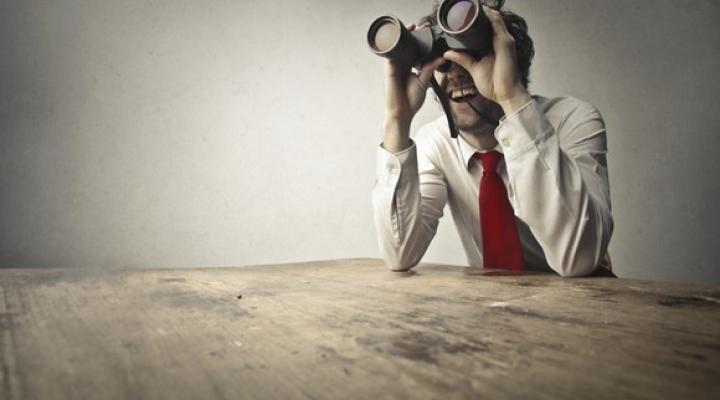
point(560, 190)
point(408, 200)
point(405, 220)
point(559, 182)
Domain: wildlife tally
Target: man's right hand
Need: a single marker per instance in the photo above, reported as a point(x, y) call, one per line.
point(405, 93)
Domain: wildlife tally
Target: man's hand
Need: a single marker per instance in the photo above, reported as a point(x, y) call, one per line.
point(405, 93)
point(496, 75)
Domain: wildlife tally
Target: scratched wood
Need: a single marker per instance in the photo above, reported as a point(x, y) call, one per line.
point(351, 329)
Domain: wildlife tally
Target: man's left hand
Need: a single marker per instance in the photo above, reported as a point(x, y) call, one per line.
point(496, 76)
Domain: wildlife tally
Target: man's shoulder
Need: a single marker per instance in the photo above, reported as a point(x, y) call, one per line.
point(559, 109)
point(574, 120)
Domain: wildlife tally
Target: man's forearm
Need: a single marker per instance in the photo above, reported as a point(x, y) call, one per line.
point(406, 216)
point(560, 193)
point(396, 135)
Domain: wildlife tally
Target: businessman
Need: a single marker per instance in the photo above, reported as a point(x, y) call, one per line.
point(526, 179)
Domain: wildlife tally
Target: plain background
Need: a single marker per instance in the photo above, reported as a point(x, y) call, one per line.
point(174, 133)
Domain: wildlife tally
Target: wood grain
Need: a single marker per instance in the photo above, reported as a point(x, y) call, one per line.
point(352, 329)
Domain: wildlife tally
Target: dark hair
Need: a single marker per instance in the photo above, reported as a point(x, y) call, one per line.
point(517, 27)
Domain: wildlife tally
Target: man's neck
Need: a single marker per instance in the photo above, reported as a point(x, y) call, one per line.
point(482, 140)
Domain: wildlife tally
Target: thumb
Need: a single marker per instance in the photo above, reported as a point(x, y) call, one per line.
point(426, 71)
point(462, 59)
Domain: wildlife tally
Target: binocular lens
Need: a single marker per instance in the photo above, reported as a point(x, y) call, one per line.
point(386, 35)
point(460, 15)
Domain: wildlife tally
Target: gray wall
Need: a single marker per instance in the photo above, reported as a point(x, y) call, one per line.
point(186, 133)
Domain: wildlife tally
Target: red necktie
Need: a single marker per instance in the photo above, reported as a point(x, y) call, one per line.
point(501, 242)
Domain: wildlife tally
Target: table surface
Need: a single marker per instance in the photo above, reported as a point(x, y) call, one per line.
point(352, 329)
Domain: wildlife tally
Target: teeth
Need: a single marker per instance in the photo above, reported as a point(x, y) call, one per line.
point(456, 94)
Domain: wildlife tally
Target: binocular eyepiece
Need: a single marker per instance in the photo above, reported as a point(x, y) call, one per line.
point(461, 25)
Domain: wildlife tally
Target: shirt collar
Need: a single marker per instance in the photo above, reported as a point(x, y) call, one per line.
point(467, 151)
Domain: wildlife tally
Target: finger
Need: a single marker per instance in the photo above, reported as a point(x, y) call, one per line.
point(427, 69)
point(462, 59)
point(411, 27)
point(498, 24)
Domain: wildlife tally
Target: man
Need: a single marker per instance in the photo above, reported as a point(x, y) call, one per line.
point(531, 192)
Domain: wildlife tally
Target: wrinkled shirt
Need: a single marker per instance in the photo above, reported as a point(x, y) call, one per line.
point(555, 173)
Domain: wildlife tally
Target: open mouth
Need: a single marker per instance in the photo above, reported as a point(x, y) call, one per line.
point(463, 95)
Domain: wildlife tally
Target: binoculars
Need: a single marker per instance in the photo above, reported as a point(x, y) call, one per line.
point(461, 25)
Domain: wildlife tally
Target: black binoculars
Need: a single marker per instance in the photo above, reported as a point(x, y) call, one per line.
point(461, 25)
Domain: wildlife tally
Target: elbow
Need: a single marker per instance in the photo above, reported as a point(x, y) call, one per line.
point(400, 258)
point(578, 260)
point(583, 261)
point(403, 253)
point(577, 271)
point(583, 255)
point(399, 262)
point(400, 268)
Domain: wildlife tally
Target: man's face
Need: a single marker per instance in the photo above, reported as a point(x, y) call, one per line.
point(462, 94)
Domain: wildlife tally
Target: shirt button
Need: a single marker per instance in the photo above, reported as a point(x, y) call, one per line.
point(505, 142)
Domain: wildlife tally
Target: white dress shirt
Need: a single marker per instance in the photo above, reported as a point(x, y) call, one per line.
point(555, 172)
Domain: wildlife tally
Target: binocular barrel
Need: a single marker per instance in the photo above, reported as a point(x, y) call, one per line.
point(462, 25)
point(388, 37)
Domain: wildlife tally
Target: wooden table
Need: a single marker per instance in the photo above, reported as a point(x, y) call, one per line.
point(352, 329)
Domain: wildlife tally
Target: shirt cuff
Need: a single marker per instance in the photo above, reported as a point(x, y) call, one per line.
point(390, 166)
point(519, 131)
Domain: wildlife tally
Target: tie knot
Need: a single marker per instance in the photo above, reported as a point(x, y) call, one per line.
point(490, 160)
